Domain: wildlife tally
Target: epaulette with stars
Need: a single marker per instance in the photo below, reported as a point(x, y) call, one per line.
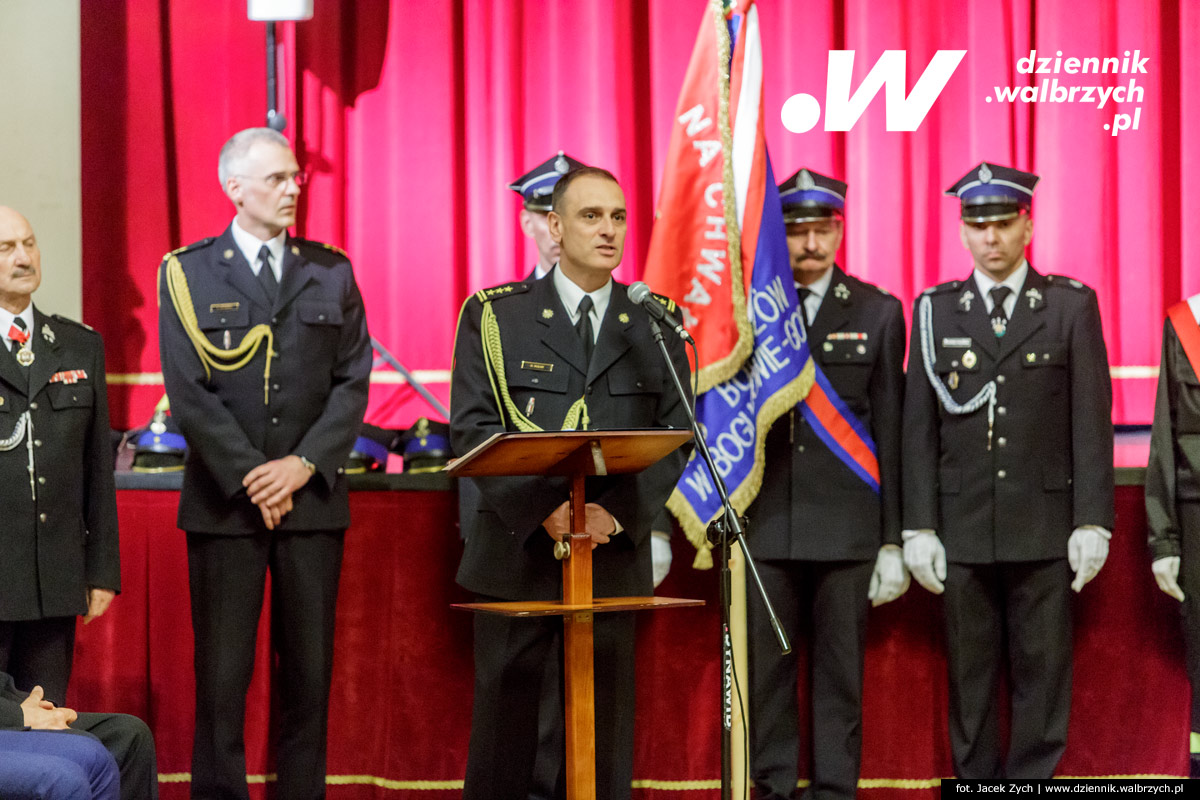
point(667, 302)
point(189, 247)
point(504, 290)
point(320, 245)
point(67, 320)
point(948, 286)
point(1064, 282)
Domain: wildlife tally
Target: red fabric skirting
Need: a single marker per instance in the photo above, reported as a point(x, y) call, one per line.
point(401, 703)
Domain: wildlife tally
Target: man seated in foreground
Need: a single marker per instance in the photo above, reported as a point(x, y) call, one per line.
point(59, 754)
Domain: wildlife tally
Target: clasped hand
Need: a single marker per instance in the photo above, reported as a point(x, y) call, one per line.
point(599, 524)
point(41, 715)
point(270, 486)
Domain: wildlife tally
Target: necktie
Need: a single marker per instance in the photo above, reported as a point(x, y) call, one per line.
point(266, 275)
point(804, 293)
point(19, 334)
point(584, 327)
point(999, 319)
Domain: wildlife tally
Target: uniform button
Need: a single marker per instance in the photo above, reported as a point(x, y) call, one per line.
point(274, 320)
point(533, 380)
point(590, 389)
point(41, 480)
point(33, 406)
point(274, 420)
point(1001, 411)
point(42, 517)
point(320, 317)
point(37, 442)
point(340, 470)
point(1001, 474)
point(275, 387)
point(999, 379)
point(1002, 441)
point(800, 449)
point(639, 384)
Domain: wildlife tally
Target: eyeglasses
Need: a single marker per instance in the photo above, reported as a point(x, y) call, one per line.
point(278, 179)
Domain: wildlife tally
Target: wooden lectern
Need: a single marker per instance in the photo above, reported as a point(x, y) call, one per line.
point(574, 454)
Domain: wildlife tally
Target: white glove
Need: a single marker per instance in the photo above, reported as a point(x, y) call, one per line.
point(890, 579)
point(660, 555)
point(925, 556)
point(1166, 572)
point(1087, 550)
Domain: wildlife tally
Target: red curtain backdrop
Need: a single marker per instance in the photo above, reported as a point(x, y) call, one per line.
point(412, 117)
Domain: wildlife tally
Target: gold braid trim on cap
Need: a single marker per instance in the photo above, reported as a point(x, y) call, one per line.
point(211, 356)
point(493, 355)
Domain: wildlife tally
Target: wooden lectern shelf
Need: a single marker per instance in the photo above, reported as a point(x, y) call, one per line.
point(549, 608)
point(607, 452)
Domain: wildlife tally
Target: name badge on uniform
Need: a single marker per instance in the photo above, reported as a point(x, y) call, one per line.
point(224, 307)
point(537, 366)
point(956, 341)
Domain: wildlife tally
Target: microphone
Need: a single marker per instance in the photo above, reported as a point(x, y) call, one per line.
point(639, 293)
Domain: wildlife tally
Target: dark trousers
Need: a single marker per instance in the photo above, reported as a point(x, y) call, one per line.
point(828, 600)
point(510, 664)
point(548, 768)
point(227, 575)
point(39, 652)
point(1189, 581)
point(1024, 608)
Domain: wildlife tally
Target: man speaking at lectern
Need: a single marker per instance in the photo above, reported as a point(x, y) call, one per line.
point(568, 352)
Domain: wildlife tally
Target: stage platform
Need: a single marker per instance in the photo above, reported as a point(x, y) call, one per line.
point(401, 703)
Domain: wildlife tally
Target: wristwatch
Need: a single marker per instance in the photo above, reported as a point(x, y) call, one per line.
point(308, 465)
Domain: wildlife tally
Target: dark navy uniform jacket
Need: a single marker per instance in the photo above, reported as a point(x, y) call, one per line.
point(1173, 474)
point(508, 554)
point(317, 386)
point(812, 507)
point(1050, 466)
point(55, 547)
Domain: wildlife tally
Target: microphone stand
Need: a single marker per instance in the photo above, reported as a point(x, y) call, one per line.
point(728, 524)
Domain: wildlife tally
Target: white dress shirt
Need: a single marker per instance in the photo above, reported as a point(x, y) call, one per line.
point(250, 244)
point(570, 295)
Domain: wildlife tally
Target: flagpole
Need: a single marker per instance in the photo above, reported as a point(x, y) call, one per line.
point(726, 527)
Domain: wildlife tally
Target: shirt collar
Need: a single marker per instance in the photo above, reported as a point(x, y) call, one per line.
point(820, 286)
point(250, 244)
point(6, 322)
point(1014, 281)
point(569, 294)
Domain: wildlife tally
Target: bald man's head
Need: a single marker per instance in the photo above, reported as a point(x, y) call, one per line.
point(20, 261)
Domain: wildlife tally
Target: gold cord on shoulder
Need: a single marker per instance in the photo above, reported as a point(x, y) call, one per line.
point(211, 356)
point(493, 355)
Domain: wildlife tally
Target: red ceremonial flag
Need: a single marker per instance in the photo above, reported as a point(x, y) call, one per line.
point(694, 256)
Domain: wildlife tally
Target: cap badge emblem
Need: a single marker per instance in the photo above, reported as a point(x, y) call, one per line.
point(560, 164)
point(985, 174)
point(806, 181)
